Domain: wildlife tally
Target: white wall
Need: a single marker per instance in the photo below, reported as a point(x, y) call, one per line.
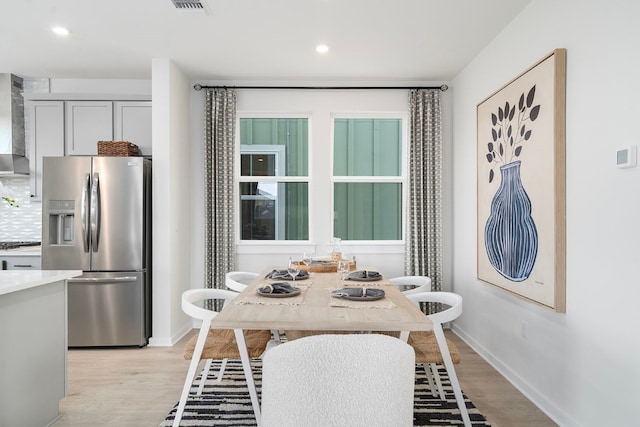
point(171, 179)
point(100, 86)
point(583, 367)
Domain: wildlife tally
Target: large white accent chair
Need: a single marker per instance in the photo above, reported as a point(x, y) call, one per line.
point(339, 380)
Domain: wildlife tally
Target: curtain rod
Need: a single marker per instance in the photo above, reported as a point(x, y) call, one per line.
point(198, 87)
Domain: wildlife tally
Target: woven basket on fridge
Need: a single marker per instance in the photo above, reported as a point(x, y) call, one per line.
point(118, 149)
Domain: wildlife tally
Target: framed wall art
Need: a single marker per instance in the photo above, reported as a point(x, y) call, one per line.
point(521, 184)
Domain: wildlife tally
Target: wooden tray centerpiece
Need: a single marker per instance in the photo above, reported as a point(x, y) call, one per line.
point(323, 265)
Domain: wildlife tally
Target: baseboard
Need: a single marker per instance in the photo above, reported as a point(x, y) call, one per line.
point(559, 416)
point(171, 341)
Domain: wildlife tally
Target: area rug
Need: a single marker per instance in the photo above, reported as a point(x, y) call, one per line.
point(227, 403)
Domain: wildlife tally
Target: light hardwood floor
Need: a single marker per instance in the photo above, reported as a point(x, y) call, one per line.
point(138, 387)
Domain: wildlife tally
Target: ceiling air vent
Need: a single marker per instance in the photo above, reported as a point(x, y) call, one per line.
point(195, 6)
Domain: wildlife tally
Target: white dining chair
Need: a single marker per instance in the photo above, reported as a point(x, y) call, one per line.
point(432, 348)
point(418, 284)
point(339, 380)
point(210, 344)
point(239, 280)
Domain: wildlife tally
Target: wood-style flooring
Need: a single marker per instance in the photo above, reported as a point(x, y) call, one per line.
point(138, 387)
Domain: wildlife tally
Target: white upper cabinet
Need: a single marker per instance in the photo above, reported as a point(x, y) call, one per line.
point(45, 132)
point(133, 123)
point(87, 123)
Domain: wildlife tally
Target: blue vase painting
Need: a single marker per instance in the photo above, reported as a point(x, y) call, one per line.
point(510, 234)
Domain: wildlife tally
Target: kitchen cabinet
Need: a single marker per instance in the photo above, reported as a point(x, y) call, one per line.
point(45, 133)
point(133, 123)
point(33, 360)
point(88, 122)
point(22, 262)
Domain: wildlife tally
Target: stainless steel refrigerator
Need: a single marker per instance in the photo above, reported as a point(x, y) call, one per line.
point(96, 217)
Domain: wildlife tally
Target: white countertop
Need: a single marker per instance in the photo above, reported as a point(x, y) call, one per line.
point(18, 280)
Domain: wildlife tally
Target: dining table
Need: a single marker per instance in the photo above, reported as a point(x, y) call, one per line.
point(314, 310)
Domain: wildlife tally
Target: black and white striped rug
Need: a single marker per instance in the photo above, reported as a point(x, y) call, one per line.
point(228, 404)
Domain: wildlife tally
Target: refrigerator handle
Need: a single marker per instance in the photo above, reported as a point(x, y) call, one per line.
point(95, 212)
point(84, 211)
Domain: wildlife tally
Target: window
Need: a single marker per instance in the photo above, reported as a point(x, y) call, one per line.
point(274, 182)
point(343, 175)
point(367, 178)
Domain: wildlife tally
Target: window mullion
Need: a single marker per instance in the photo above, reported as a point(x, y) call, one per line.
point(273, 179)
point(394, 179)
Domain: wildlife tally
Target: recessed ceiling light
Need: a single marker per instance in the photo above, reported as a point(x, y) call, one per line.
point(322, 48)
point(61, 31)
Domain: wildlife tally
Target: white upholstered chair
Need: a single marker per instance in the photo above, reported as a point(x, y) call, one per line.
point(209, 344)
point(339, 380)
point(432, 349)
point(418, 284)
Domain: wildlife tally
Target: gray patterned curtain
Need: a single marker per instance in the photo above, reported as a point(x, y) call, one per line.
point(424, 228)
point(220, 125)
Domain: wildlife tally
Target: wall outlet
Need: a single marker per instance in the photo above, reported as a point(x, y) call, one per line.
point(524, 329)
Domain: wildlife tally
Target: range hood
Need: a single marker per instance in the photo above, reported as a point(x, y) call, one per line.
point(12, 141)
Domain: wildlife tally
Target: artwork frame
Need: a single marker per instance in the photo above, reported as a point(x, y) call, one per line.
point(521, 185)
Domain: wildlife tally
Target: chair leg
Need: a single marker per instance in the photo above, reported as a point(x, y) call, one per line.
point(274, 341)
point(427, 371)
point(276, 336)
point(204, 375)
point(434, 371)
point(248, 374)
point(223, 366)
point(448, 364)
point(191, 373)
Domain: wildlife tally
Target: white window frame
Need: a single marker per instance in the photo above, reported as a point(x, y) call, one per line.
point(259, 246)
point(402, 179)
point(318, 107)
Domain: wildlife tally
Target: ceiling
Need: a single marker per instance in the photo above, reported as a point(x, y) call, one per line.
point(258, 40)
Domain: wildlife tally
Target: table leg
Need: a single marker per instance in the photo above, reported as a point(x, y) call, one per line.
point(248, 374)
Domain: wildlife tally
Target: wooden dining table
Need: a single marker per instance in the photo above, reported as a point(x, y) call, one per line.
point(315, 310)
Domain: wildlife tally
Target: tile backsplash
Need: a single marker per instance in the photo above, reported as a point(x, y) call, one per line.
point(22, 223)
